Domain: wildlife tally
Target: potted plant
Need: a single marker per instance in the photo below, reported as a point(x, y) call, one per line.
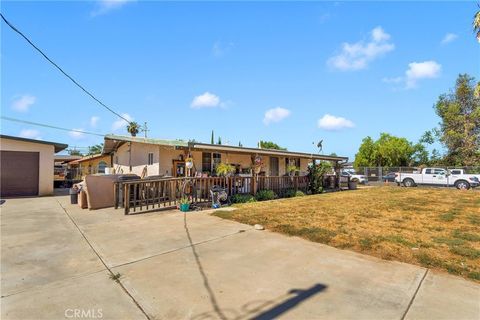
point(292, 169)
point(184, 204)
point(224, 169)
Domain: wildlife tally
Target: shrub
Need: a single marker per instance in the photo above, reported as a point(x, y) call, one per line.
point(316, 172)
point(243, 198)
point(263, 195)
point(290, 193)
point(299, 193)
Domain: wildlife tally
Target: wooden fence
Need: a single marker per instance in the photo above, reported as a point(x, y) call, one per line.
point(146, 195)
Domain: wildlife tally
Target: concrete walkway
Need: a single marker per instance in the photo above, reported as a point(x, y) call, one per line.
point(57, 261)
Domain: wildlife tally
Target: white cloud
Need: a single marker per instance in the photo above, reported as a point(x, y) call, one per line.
point(30, 134)
point(206, 100)
point(219, 48)
point(120, 123)
point(104, 6)
point(449, 37)
point(275, 115)
point(421, 70)
point(23, 103)
point(417, 71)
point(94, 121)
point(75, 134)
point(357, 56)
point(332, 123)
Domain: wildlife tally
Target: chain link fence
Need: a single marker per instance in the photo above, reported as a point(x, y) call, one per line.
point(387, 174)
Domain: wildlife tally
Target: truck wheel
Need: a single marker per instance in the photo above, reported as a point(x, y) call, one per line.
point(408, 183)
point(462, 185)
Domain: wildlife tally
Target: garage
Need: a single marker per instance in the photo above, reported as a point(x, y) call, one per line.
point(19, 173)
point(26, 166)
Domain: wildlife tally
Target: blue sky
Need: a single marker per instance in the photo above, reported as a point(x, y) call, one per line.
point(289, 72)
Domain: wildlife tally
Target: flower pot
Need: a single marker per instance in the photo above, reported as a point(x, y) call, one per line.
point(185, 207)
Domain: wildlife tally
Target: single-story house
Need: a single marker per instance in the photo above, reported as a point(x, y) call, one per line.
point(91, 164)
point(151, 157)
point(27, 166)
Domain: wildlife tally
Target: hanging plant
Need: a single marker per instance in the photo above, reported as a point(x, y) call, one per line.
point(292, 169)
point(224, 169)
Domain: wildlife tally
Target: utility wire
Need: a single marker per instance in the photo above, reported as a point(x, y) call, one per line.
point(61, 70)
point(50, 126)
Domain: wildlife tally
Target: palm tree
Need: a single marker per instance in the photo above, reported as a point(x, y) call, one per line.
point(476, 24)
point(476, 29)
point(133, 128)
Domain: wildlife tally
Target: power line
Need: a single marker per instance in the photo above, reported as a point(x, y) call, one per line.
point(50, 126)
point(61, 70)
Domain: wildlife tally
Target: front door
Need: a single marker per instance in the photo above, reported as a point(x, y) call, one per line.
point(274, 166)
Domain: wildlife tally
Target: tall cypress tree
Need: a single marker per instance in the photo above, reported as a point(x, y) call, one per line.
point(212, 140)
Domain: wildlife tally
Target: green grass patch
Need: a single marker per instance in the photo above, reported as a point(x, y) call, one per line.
point(474, 219)
point(465, 235)
point(399, 240)
point(449, 241)
point(474, 275)
point(367, 243)
point(449, 216)
point(427, 260)
point(465, 251)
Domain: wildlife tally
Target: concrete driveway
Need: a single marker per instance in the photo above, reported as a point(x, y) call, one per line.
point(57, 261)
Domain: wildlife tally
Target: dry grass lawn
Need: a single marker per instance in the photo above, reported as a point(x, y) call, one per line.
point(434, 228)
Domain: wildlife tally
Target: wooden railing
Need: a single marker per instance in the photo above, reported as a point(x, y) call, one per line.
point(146, 195)
point(282, 185)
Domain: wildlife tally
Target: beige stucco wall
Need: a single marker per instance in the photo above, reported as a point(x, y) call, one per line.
point(46, 161)
point(162, 159)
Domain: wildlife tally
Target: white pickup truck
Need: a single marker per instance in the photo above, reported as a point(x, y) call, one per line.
point(437, 177)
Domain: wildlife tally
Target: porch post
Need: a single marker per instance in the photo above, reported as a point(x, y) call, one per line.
point(337, 175)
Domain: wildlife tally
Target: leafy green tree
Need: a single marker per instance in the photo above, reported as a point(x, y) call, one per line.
point(212, 139)
point(459, 131)
point(390, 151)
point(74, 152)
point(95, 149)
point(240, 144)
point(219, 140)
point(270, 145)
point(367, 153)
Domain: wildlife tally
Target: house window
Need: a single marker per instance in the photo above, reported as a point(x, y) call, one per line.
point(150, 158)
point(101, 166)
point(206, 162)
point(210, 161)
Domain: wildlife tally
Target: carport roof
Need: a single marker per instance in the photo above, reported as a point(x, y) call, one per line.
point(58, 146)
point(113, 141)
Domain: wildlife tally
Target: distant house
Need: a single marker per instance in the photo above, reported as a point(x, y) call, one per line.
point(27, 166)
point(148, 157)
point(92, 164)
